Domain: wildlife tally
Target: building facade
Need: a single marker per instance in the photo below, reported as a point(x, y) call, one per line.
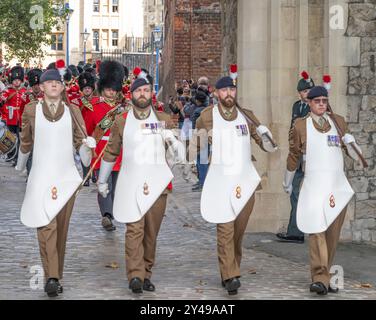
point(153, 15)
point(108, 23)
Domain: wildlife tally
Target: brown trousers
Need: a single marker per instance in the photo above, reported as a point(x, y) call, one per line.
point(52, 241)
point(229, 242)
point(141, 241)
point(322, 248)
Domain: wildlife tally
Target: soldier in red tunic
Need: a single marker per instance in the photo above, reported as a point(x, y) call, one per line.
point(85, 102)
point(12, 102)
point(98, 125)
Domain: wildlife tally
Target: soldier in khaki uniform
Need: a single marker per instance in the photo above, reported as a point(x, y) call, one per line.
point(49, 130)
point(325, 192)
point(228, 193)
point(141, 192)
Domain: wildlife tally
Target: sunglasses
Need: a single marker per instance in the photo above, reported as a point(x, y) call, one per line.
point(321, 101)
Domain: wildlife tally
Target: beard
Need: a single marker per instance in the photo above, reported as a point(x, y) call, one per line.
point(141, 102)
point(228, 102)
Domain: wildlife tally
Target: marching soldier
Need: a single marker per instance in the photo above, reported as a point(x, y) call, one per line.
point(13, 101)
point(228, 193)
point(51, 128)
point(99, 123)
point(300, 109)
point(86, 82)
point(325, 192)
point(140, 197)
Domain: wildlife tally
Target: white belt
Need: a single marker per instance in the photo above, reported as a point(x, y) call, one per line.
point(106, 138)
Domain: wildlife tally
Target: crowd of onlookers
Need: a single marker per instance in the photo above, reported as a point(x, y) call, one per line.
point(191, 99)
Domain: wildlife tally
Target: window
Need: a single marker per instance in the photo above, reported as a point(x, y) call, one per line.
point(105, 6)
point(96, 40)
point(57, 41)
point(115, 38)
point(115, 6)
point(105, 38)
point(96, 5)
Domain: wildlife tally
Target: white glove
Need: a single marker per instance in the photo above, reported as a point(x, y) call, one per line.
point(89, 142)
point(263, 132)
point(349, 139)
point(287, 181)
point(21, 161)
point(85, 155)
point(103, 189)
point(175, 148)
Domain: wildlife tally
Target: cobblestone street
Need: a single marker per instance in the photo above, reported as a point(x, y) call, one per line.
point(186, 266)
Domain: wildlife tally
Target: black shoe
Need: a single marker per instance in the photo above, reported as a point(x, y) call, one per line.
point(107, 223)
point(232, 285)
point(333, 290)
point(87, 183)
point(283, 237)
point(319, 288)
point(197, 188)
point(136, 285)
point(52, 287)
point(59, 287)
point(148, 285)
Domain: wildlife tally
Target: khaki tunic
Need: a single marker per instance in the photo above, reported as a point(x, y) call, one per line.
point(28, 124)
point(298, 138)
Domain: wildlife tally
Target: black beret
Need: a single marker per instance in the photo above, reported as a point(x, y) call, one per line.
point(139, 83)
point(51, 74)
point(317, 92)
point(225, 82)
point(304, 84)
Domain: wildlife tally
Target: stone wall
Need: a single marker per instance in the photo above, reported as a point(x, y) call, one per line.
point(229, 10)
point(362, 116)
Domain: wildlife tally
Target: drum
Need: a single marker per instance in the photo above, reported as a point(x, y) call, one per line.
point(8, 141)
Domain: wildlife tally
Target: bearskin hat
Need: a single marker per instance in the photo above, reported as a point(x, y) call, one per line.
point(111, 75)
point(74, 70)
point(86, 79)
point(34, 76)
point(16, 72)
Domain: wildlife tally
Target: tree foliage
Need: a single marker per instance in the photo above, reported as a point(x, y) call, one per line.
point(25, 26)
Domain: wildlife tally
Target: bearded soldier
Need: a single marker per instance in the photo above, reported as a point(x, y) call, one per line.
point(228, 193)
point(140, 197)
point(52, 129)
point(325, 192)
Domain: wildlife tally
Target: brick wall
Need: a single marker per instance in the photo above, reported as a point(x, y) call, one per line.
point(193, 41)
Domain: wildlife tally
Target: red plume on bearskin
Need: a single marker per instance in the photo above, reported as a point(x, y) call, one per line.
point(327, 80)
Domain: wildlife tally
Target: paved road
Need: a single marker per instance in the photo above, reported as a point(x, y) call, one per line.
point(186, 256)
